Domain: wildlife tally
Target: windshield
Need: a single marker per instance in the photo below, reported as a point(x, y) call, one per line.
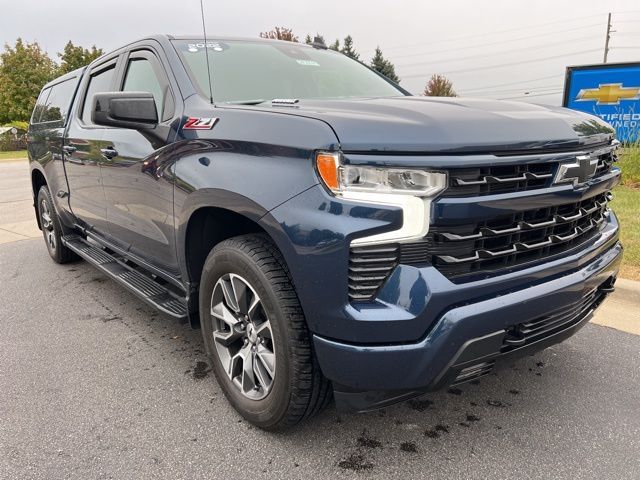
point(251, 72)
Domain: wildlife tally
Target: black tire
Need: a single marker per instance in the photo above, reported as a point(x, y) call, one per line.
point(298, 390)
point(52, 229)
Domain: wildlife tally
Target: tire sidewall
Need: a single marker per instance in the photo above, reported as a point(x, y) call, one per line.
point(267, 411)
point(44, 194)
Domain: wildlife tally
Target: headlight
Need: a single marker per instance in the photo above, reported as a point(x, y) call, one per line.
point(410, 189)
point(342, 179)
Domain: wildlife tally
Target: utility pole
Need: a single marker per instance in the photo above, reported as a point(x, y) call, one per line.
point(608, 37)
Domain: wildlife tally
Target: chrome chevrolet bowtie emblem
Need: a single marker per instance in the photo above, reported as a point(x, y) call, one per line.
point(577, 172)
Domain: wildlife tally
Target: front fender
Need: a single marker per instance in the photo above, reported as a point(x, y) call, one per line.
point(245, 178)
point(314, 231)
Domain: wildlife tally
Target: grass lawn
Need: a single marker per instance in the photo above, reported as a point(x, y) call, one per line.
point(626, 204)
point(629, 162)
point(20, 154)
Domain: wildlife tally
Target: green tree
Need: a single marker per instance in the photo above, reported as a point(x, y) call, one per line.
point(335, 45)
point(384, 66)
point(24, 69)
point(347, 48)
point(439, 86)
point(73, 57)
point(309, 39)
point(280, 33)
point(20, 124)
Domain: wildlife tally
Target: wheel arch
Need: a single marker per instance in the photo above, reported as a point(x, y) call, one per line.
point(208, 226)
point(37, 181)
point(210, 216)
point(202, 226)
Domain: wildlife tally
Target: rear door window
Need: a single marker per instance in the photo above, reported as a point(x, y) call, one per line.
point(101, 81)
point(57, 106)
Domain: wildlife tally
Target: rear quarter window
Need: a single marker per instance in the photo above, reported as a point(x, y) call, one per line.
point(40, 104)
point(56, 107)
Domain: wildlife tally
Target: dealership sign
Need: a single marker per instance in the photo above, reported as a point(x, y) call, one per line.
point(610, 91)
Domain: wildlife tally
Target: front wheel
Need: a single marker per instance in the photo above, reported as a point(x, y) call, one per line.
point(256, 335)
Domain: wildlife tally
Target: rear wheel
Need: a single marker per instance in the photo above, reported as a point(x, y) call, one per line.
point(52, 229)
point(256, 335)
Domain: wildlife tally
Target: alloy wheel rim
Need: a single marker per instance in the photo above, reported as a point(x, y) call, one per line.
point(47, 225)
point(242, 336)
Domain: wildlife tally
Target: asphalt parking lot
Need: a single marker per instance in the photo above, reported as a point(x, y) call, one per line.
point(96, 385)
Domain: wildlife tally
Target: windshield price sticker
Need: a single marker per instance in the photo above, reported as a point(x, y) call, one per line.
point(213, 46)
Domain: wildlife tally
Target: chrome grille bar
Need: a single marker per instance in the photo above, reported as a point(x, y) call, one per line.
point(588, 218)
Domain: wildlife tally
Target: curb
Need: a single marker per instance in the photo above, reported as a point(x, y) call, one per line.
point(628, 290)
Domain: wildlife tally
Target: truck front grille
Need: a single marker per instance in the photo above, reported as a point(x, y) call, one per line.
point(482, 248)
point(516, 239)
point(517, 177)
point(466, 182)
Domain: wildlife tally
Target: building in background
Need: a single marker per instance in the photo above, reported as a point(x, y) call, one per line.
point(12, 138)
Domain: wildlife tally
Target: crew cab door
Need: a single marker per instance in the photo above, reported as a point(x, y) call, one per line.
point(138, 184)
point(84, 151)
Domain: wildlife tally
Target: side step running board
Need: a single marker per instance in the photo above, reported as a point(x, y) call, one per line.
point(144, 287)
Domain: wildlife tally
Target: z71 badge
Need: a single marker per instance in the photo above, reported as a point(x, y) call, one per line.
point(194, 123)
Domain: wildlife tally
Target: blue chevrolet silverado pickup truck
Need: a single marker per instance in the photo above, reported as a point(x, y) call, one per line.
point(332, 235)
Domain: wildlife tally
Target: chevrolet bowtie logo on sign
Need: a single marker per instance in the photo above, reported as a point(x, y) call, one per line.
point(577, 172)
point(610, 91)
point(608, 94)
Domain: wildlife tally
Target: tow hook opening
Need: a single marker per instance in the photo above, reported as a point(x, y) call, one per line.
point(609, 285)
point(514, 337)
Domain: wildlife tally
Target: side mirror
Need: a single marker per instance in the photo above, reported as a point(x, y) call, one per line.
point(135, 110)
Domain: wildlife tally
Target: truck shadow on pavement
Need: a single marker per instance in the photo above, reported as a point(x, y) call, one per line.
point(162, 376)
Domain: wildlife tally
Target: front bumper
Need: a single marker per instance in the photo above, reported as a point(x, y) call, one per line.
point(467, 340)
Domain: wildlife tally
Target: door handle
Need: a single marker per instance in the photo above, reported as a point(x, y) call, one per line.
point(69, 149)
point(109, 152)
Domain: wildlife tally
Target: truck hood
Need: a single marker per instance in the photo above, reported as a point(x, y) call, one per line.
point(448, 125)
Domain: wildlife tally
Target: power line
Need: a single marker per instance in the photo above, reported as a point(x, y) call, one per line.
point(534, 95)
point(521, 91)
point(502, 65)
point(512, 90)
point(513, 96)
point(515, 83)
point(463, 37)
point(500, 42)
point(501, 52)
point(527, 27)
point(626, 11)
